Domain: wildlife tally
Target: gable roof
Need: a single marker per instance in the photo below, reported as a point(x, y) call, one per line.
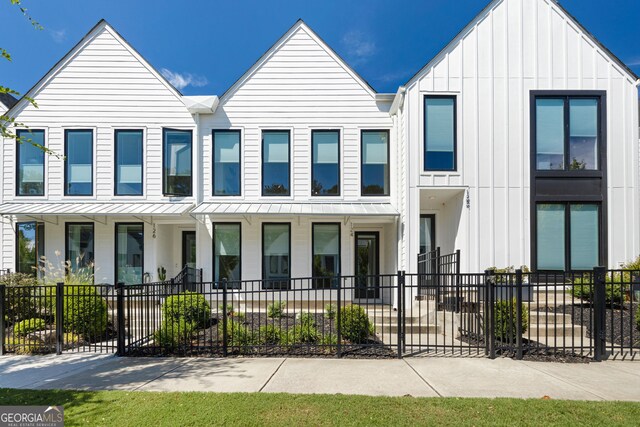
point(300, 24)
point(494, 3)
point(91, 34)
point(7, 100)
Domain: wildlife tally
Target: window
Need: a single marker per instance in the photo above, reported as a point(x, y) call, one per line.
point(79, 245)
point(78, 151)
point(326, 254)
point(29, 246)
point(226, 252)
point(129, 253)
point(128, 162)
point(375, 163)
point(439, 133)
point(275, 163)
point(226, 162)
point(30, 163)
point(568, 234)
point(276, 247)
point(567, 133)
point(177, 162)
point(325, 161)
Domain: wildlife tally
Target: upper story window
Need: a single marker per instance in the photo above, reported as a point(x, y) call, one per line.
point(226, 163)
point(78, 152)
point(439, 133)
point(275, 163)
point(325, 162)
point(567, 132)
point(30, 163)
point(375, 163)
point(128, 162)
point(178, 162)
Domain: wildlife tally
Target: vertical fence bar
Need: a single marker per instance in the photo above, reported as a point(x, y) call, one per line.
point(400, 308)
point(2, 325)
point(490, 321)
point(120, 350)
point(599, 307)
point(457, 283)
point(59, 316)
point(519, 314)
point(338, 321)
point(224, 317)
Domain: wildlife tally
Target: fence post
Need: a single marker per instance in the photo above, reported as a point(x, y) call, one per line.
point(225, 309)
point(437, 280)
point(2, 325)
point(599, 308)
point(519, 314)
point(120, 351)
point(59, 317)
point(458, 290)
point(338, 322)
point(490, 318)
point(400, 307)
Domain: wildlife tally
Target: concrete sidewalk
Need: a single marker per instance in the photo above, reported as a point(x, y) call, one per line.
point(430, 377)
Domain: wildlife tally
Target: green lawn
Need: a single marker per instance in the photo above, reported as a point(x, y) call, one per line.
point(120, 408)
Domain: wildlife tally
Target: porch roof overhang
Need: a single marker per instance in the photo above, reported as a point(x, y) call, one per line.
point(94, 208)
point(288, 209)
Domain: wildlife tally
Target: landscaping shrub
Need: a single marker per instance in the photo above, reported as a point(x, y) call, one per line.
point(21, 298)
point(175, 333)
point(303, 333)
point(583, 288)
point(271, 335)
point(28, 326)
point(306, 318)
point(329, 339)
point(238, 334)
point(85, 312)
point(355, 325)
point(505, 315)
point(330, 311)
point(276, 310)
point(228, 309)
point(189, 306)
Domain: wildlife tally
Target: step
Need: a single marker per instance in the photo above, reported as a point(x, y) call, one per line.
point(544, 318)
point(551, 330)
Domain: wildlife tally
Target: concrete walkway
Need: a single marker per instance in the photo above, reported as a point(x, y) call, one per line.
point(430, 377)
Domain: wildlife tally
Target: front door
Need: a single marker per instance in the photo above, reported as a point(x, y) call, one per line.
point(189, 249)
point(367, 265)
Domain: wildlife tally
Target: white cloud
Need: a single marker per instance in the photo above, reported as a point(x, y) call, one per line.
point(58, 36)
point(182, 80)
point(359, 46)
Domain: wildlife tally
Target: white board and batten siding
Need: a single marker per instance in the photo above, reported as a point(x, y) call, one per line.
point(512, 48)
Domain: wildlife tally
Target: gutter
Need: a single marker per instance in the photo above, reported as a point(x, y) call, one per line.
point(398, 100)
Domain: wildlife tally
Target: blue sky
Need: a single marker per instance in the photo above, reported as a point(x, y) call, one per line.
point(206, 45)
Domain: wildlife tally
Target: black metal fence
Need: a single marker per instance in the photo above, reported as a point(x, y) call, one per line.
point(587, 315)
point(435, 270)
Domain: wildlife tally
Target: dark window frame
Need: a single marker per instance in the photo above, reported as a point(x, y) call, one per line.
point(115, 162)
point(264, 280)
point(233, 285)
point(66, 164)
point(164, 159)
point(115, 247)
point(313, 131)
point(263, 131)
point(455, 132)
point(39, 224)
point(388, 183)
point(433, 237)
point(44, 163)
point(66, 238)
point(317, 279)
point(213, 162)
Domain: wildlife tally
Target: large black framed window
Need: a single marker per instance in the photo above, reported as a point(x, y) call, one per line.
point(178, 162)
point(79, 245)
point(326, 254)
point(78, 152)
point(568, 236)
point(374, 168)
point(129, 163)
point(276, 157)
point(30, 161)
point(129, 253)
point(567, 132)
point(29, 246)
point(227, 252)
point(440, 133)
point(226, 162)
point(276, 255)
point(325, 163)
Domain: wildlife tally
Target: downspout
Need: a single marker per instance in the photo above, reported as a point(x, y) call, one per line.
point(197, 172)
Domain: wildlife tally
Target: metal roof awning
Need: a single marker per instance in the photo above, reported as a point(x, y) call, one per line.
point(283, 209)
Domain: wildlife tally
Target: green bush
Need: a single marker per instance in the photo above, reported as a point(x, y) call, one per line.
point(85, 312)
point(238, 334)
point(505, 315)
point(28, 326)
point(355, 325)
point(175, 333)
point(306, 318)
point(330, 311)
point(303, 333)
point(276, 310)
point(270, 335)
point(190, 306)
point(583, 288)
point(329, 339)
point(21, 297)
